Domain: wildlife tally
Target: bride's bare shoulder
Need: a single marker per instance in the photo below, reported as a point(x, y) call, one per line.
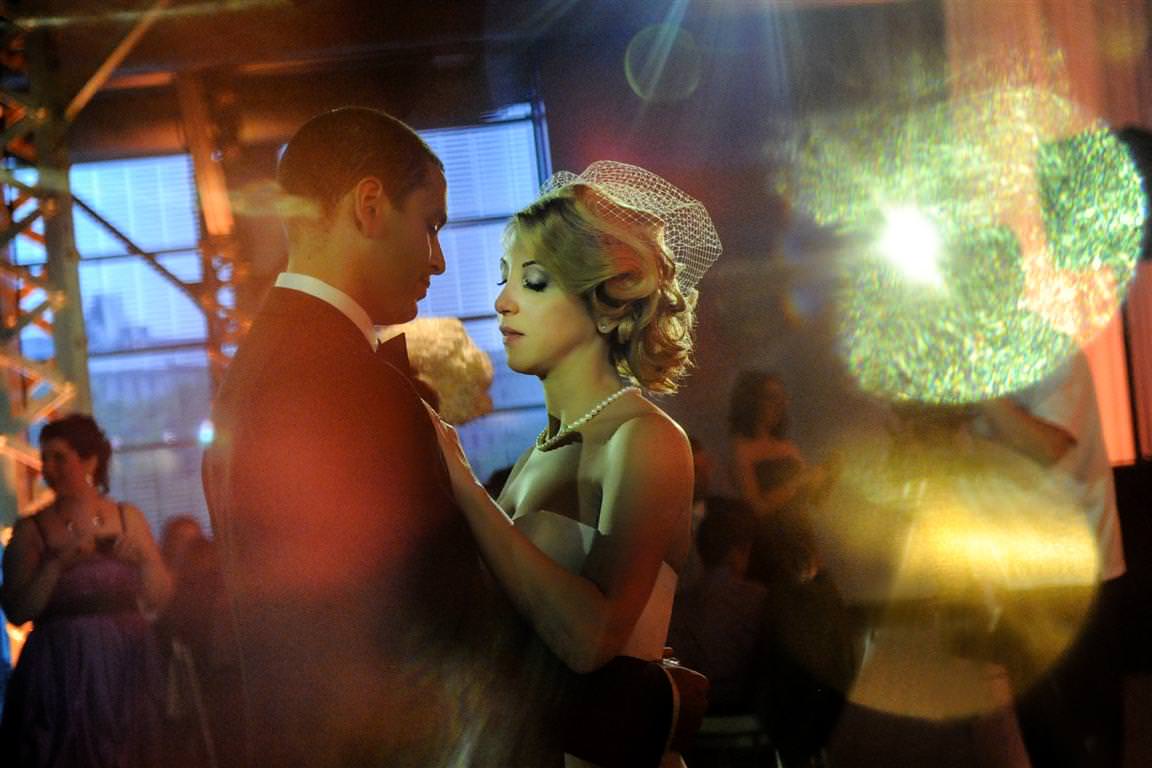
point(648, 429)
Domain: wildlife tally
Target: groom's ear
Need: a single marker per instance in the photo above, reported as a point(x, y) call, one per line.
point(369, 204)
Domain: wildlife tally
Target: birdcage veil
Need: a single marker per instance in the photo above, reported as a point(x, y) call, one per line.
point(635, 196)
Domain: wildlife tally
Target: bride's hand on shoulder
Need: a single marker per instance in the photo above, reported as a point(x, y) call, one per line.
point(459, 469)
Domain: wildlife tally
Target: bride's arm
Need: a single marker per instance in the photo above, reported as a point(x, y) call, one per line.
point(646, 493)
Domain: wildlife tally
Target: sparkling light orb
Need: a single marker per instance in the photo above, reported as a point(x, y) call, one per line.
point(1026, 211)
point(973, 342)
point(911, 243)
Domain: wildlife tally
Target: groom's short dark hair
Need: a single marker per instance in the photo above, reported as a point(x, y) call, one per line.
point(334, 150)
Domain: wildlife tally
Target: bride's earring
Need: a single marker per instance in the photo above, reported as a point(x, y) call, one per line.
point(604, 326)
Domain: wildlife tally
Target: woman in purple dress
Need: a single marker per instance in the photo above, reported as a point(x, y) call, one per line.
point(88, 688)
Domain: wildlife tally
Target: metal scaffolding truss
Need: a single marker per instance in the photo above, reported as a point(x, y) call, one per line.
point(34, 120)
point(31, 295)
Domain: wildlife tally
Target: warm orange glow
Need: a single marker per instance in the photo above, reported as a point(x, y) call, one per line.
point(60, 392)
point(16, 637)
point(954, 549)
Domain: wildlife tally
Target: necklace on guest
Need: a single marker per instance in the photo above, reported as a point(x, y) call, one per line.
point(545, 443)
point(71, 520)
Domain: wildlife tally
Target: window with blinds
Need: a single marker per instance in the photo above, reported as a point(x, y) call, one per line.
point(493, 171)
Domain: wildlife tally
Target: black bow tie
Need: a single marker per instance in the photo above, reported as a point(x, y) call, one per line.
point(395, 352)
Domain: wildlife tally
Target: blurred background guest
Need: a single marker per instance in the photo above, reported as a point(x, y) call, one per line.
point(1074, 714)
point(203, 678)
point(88, 687)
point(810, 646)
point(771, 474)
point(703, 467)
point(718, 620)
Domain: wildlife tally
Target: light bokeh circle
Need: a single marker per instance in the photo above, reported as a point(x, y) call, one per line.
point(663, 64)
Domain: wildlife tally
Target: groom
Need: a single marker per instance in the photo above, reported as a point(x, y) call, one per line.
point(367, 627)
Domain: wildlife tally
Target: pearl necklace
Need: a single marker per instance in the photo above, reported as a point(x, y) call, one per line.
point(545, 443)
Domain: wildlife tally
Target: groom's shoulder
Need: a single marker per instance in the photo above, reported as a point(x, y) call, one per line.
point(294, 348)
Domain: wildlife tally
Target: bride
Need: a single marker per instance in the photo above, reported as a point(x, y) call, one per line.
point(598, 290)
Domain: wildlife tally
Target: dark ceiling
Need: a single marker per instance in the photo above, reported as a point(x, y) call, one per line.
point(239, 34)
point(428, 61)
point(286, 59)
point(266, 34)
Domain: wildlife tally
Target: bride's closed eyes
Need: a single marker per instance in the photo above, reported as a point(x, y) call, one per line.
point(534, 279)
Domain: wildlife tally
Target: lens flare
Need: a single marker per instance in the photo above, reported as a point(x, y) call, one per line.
point(663, 64)
point(911, 243)
point(1036, 218)
point(980, 562)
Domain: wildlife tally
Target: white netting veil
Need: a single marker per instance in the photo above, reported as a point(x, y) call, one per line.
point(635, 195)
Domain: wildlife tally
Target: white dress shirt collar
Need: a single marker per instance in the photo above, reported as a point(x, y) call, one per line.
point(341, 301)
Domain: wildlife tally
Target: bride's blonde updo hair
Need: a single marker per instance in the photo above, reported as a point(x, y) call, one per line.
point(616, 258)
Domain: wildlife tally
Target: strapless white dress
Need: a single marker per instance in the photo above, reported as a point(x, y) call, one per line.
point(568, 542)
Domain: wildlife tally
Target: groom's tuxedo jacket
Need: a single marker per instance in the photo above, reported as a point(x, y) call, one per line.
point(364, 616)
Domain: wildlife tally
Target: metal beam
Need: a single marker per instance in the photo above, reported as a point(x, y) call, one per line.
point(218, 246)
point(69, 336)
point(114, 60)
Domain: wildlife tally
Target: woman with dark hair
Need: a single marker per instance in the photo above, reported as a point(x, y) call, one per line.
point(87, 689)
point(770, 472)
point(771, 475)
point(811, 651)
